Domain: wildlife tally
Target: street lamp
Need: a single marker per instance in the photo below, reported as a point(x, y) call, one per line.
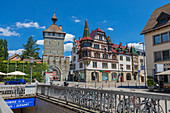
point(95, 77)
point(31, 62)
point(121, 75)
point(144, 62)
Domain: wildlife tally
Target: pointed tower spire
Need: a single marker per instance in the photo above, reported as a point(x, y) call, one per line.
point(86, 35)
point(86, 30)
point(54, 18)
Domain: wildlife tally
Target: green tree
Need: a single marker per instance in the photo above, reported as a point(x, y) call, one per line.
point(1, 48)
point(30, 49)
point(2, 65)
point(5, 49)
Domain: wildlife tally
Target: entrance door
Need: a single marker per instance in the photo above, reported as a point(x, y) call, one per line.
point(104, 76)
point(93, 76)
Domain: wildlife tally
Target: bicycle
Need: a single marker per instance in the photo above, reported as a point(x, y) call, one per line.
point(150, 107)
point(130, 103)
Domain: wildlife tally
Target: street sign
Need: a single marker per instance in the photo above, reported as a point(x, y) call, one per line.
point(138, 71)
point(20, 103)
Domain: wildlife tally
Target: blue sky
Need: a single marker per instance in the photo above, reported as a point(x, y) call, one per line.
point(125, 19)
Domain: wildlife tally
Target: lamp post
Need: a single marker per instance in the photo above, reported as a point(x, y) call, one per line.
point(31, 62)
point(144, 62)
point(95, 77)
point(121, 75)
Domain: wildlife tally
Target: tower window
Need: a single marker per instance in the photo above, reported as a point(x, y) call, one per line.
point(50, 51)
point(100, 37)
point(53, 34)
point(49, 42)
point(57, 52)
point(58, 43)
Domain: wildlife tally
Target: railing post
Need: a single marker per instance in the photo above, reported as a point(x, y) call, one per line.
point(134, 102)
point(166, 110)
point(115, 103)
point(101, 102)
point(129, 104)
point(123, 103)
point(104, 101)
point(111, 97)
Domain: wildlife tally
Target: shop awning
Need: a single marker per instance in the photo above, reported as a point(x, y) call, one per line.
point(164, 73)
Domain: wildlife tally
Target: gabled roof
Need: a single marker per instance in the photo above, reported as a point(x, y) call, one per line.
point(152, 22)
point(133, 50)
point(93, 33)
point(15, 55)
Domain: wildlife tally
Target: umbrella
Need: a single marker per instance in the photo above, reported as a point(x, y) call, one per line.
point(16, 73)
point(164, 73)
point(2, 73)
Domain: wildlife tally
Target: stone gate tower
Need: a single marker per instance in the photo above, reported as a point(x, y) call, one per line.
point(54, 51)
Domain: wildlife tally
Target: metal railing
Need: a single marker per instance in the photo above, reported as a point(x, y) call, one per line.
point(109, 100)
point(17, 90)
point(4, 108)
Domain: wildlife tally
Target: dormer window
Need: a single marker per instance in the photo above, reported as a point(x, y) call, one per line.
point(163, 21)
point(163, 18)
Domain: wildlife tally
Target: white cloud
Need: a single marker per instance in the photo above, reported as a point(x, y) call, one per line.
point(74, 17)
point(68, 47)
point(76, 20)
point(111, 29)
point(29, 25)
point(12, 52)
point(104, 21)
point(40, 42)
point(69, 37)
point(136, 45)
point(6, 32)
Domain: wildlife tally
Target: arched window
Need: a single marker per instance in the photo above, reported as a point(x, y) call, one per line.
point(128, 76)
point(114, 76)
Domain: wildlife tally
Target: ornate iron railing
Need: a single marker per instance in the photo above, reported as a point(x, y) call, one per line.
point(109, 100)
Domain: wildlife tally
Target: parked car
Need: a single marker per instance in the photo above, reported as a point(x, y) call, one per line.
point(15, 81)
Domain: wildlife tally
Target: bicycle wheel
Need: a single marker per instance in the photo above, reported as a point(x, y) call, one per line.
point(142, 105)
point(158, 109)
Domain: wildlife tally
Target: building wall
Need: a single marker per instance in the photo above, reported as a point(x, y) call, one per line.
point(150, 49)
point(55, 45)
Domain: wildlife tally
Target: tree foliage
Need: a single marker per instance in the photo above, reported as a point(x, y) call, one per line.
point(4, 49)
point(30, 49)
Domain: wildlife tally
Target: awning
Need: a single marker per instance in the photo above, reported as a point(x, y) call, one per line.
point(2, 73)
point(164, 73)
point(16, 73)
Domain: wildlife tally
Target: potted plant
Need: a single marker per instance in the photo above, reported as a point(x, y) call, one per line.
point(150, 83)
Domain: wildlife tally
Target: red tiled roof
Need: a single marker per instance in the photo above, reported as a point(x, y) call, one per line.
point(92, 34)
point(86, 38)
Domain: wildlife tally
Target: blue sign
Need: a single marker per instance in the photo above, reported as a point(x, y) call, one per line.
point(20, 103)
point(138, 71)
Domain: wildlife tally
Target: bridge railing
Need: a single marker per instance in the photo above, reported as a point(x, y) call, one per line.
point(109, 100)
point(17, 90)
point(4, 108)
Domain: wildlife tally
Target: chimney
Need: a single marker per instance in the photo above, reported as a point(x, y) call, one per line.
point(61, 27)
point(79, 38)
point(92, 30)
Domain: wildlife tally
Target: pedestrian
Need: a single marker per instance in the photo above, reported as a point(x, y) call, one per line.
point(36, 81)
